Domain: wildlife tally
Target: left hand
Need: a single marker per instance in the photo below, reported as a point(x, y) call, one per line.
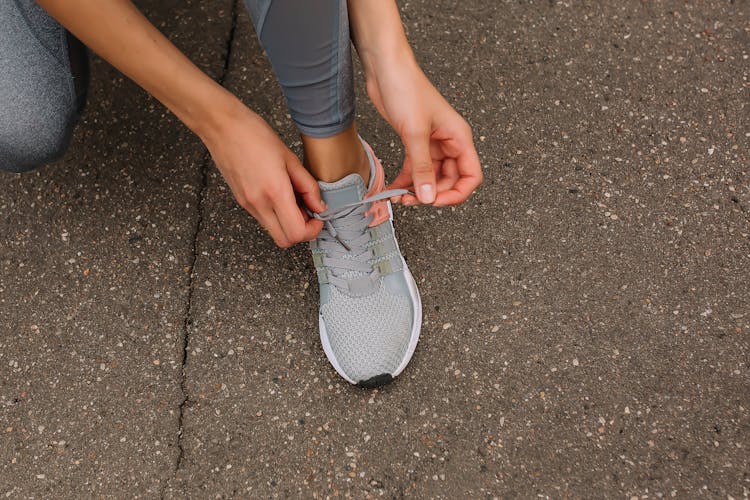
point(441, 165)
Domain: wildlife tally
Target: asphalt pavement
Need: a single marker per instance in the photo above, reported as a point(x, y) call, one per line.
point(586, 313)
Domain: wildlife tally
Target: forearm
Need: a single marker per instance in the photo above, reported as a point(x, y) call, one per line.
point(120, 34)
point(378, 34)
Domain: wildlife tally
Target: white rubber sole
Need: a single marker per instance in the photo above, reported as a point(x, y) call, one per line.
point(413, 340)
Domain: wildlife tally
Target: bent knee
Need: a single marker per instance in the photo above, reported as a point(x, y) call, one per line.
point(36, 141)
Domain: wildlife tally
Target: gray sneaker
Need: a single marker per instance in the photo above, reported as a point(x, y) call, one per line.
point(370, 310)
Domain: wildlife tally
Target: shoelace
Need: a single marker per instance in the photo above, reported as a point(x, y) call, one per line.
point(344, 237)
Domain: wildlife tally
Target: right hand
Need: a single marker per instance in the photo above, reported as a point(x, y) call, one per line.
point(441, 165)
point(264, 175)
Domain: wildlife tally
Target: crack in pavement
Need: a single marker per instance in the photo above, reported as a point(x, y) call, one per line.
point(228, 44)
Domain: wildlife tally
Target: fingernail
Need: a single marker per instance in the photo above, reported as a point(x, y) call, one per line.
point(426, 193)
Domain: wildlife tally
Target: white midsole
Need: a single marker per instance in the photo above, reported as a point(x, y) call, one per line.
point(413, 340)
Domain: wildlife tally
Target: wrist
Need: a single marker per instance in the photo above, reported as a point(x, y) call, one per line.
point(385, 59)
point(211, 118)
point(379, 43)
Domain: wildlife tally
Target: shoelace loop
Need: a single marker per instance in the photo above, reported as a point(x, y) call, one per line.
point(349, 232)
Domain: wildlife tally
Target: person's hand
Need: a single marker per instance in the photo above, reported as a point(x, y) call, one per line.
point(441, 166)
point(264, 175)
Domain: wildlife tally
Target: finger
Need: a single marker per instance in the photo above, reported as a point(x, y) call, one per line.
point(448, 175)
point(454, 196)
point(265, 218)
point(268, 220)
point(470, 172)
point(418, 158)
point(312, 226)
point(402, 181)
point(305, 185)
point(446, 178)
point(312, 229)
point(290, 216)
point(409, 200)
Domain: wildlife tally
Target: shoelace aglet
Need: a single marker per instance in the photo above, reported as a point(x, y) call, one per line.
point(332, 231)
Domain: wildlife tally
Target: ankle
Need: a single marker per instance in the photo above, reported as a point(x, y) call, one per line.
point(333, 158)
point(363, 165)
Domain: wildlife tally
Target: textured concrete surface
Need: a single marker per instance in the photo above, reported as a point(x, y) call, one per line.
point(93, 288)
point(587, 313)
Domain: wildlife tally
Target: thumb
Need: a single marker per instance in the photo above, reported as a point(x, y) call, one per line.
point(418, 157)
point(305, 185)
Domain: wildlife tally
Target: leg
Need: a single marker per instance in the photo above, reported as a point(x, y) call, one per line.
point(308, 44)
point(42, 86)
point(370, 311)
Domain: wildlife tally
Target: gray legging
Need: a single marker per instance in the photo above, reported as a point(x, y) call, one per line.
point(44, 74)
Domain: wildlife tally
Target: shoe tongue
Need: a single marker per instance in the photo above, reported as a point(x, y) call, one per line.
point(350, 189)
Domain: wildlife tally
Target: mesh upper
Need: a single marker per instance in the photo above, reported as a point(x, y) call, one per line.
point(369, 335)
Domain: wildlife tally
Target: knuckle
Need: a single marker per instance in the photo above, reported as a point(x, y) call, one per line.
point(250, 196)
point(242, 200)
point(464, 125)
point(291, 159)
point(270, 192)
point(246, 204)
point(417, 131)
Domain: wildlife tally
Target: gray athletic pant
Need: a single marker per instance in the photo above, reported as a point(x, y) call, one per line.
point(44, 74)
